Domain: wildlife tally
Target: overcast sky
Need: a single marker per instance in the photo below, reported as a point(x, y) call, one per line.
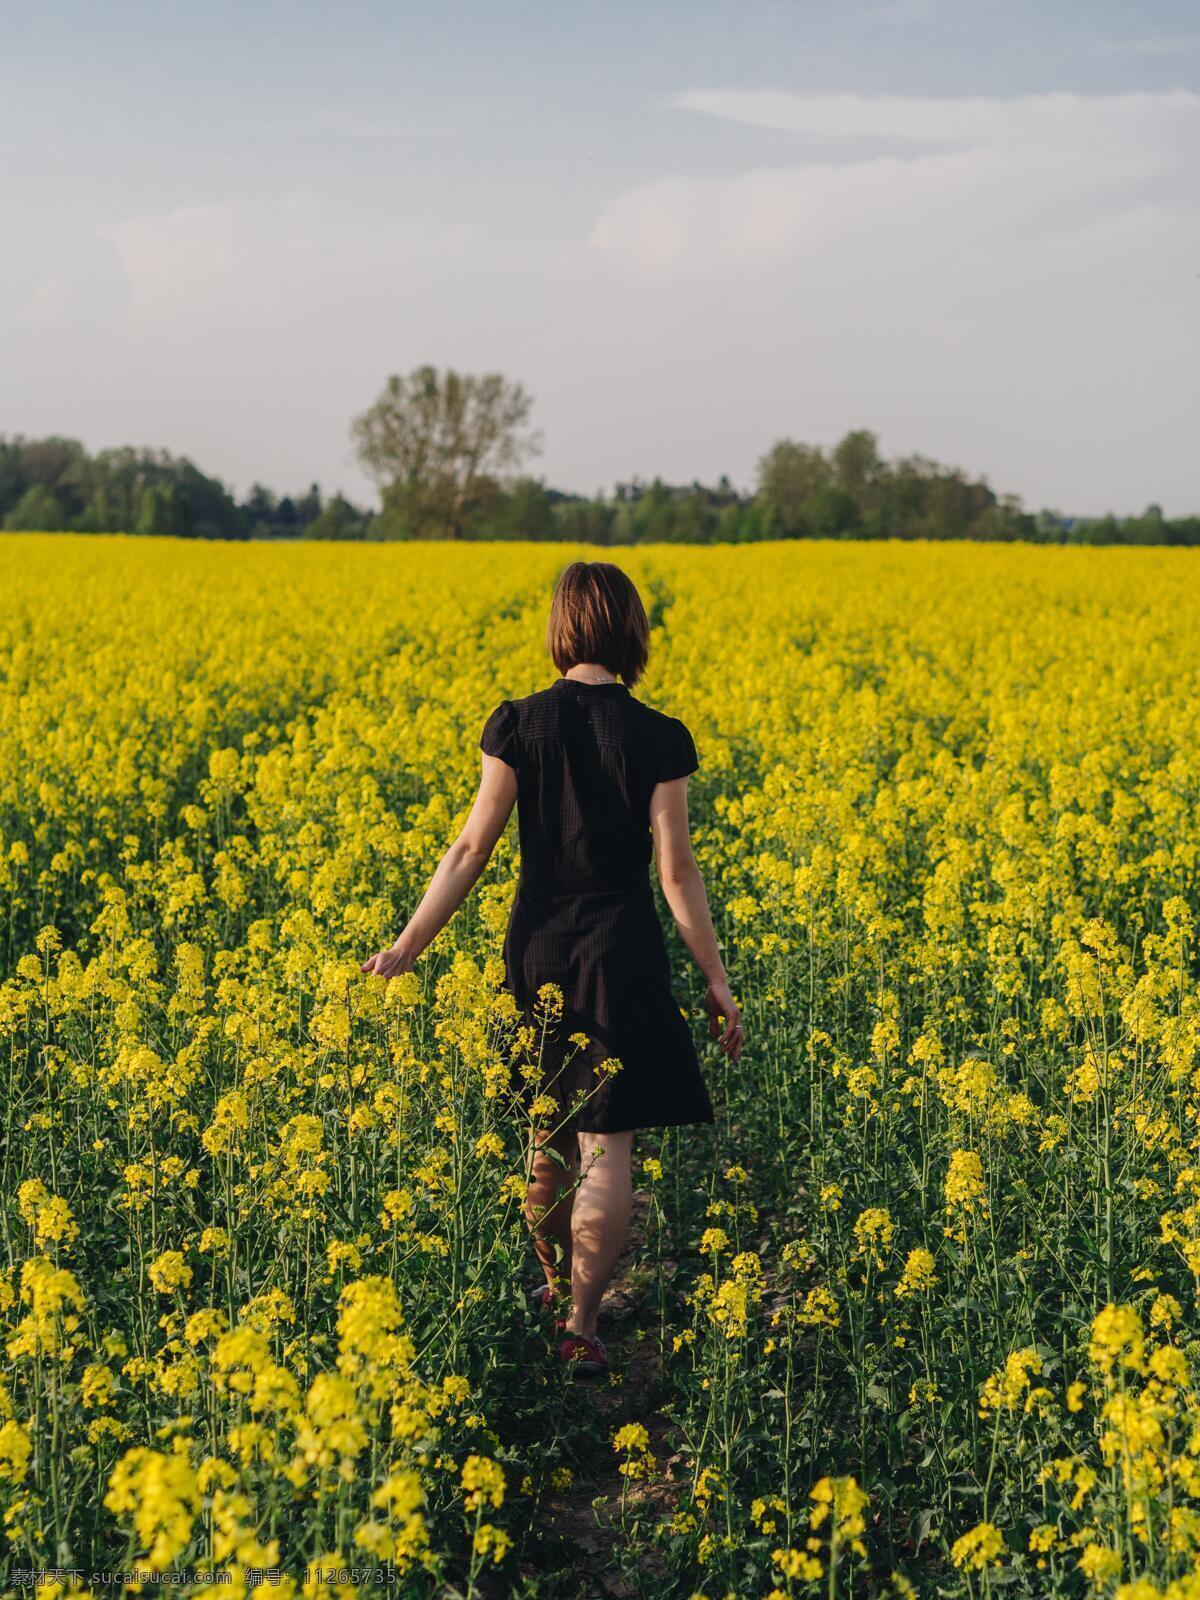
point(689, 229)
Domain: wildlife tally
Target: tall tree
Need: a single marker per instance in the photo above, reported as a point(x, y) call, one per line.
point(433, 441)
point(856, 463)
point(788, 476)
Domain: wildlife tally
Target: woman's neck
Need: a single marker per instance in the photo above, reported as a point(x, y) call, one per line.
point(590, 672)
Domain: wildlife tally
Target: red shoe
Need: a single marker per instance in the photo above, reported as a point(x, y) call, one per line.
point(543, 1298)
point(587, 1358)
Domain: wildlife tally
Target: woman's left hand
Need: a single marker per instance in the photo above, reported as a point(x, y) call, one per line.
point(389, 963)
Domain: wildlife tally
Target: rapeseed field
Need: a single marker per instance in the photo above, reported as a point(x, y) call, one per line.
point(918, 1316)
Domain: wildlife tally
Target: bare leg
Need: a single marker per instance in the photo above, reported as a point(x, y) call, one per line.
point(549, 1203)
point(599, 1222)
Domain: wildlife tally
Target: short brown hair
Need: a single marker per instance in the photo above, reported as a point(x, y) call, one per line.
point(597, 615)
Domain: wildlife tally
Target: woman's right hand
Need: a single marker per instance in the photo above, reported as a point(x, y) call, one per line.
point(722, 1007)
point(390, 963)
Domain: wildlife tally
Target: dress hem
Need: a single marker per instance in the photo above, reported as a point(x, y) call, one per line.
point(637, 1127)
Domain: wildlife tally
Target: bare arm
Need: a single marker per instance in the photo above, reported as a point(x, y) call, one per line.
point(456, 872)
point(683, 888)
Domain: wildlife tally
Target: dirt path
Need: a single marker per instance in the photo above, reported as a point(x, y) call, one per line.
point(586, 1519)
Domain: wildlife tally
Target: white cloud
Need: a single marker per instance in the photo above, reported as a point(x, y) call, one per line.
point(1022, 120)
point(234, 256)
point(980, 172)
point(1000, 283)
point(180, 260)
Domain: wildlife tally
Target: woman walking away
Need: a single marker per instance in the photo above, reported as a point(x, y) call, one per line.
point(600, 783)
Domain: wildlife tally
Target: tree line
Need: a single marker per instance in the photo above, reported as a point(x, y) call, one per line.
point(448, 452)
point(54, 485)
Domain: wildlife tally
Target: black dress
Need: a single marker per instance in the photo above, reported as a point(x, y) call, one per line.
point(587, 757)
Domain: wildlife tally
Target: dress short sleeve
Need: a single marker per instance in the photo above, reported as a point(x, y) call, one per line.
point(677, 751)
point(499, 735)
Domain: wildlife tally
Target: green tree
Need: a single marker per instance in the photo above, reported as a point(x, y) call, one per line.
point(308, 506)
point(526, 511)
point(433, 440)
point(587, 521)
point(857, 464)
point(163, 508)
point(12, 477)
point(731, 523)
point(50, 461)
point(260, 510)
point(37, 510)
point(1149, 528)
point(788, 476)
point(393, 520)
point(695, 518)
point(831, 513)
point(152, 509)
point(338, 519)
